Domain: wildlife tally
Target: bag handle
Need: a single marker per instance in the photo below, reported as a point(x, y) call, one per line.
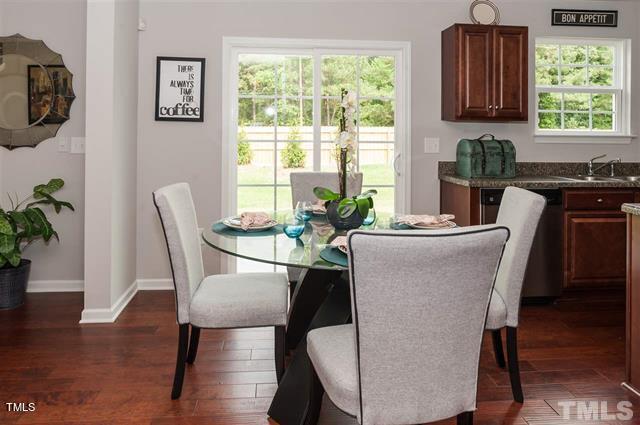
point(487, 135)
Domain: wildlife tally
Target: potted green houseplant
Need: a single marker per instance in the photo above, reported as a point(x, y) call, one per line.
point(20, 226)
point(344, 212)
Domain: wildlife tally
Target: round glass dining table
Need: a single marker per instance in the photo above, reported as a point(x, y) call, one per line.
point(321, 297)
point(275, 247)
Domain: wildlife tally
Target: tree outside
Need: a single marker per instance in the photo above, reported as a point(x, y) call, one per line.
point(575, 66)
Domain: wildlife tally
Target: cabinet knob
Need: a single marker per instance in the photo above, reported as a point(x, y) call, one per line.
point(599, 200)
point(490, 106)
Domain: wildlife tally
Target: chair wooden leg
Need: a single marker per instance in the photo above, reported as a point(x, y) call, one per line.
point(280, 349)
point(496, 337)
point(193, 344)
point(178, 378)
point(514, 367)
point(465, 418)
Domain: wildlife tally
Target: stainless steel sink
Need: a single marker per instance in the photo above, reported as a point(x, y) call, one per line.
point(591, 178)
point(628, 178)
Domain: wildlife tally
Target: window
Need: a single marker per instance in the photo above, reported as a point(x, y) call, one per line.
point(285, 102)
point(581, 87)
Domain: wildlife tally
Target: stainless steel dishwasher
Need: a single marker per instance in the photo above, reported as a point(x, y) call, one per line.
point(543, 279)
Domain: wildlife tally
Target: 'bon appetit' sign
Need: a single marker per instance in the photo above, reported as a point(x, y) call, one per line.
point(180, 89)
point(584, 18)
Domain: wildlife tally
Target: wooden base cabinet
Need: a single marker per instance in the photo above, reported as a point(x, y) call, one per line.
point(632, 380)
point(595, 249)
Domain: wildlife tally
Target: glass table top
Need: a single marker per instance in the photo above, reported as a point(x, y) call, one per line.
point(279, 249)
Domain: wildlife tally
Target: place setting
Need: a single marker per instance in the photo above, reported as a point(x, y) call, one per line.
point(248, 224)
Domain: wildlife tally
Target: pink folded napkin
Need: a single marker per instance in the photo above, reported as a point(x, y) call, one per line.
point(340, 242)
point(254, 219)
point(442, 220)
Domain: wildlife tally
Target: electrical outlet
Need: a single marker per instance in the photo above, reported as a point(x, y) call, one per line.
point(63, 144)
point(431, 145)
point(77, 145)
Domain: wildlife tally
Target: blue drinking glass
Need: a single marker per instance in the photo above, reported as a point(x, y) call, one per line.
point(304, 210)
point(293, 227)
point(371, 218)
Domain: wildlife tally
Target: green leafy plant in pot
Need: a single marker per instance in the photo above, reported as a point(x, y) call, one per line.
point(20, 226)
point(344, 212)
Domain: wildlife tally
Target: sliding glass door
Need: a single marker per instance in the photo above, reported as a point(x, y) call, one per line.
point(285, 105)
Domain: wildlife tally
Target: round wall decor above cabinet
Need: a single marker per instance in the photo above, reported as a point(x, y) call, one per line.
point(484, 12)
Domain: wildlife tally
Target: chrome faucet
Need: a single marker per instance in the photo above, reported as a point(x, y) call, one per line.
point(591, 171)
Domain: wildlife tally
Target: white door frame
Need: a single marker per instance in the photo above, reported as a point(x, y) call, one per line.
point(232, 46)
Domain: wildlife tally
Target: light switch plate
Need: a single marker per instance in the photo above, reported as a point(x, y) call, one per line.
point(77, 145)
point(431, 145)
point(63, 144)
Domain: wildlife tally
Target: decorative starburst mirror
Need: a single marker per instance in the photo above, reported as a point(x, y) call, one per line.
point(36, 92)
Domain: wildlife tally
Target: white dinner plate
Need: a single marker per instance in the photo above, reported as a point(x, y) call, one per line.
point(234, 223)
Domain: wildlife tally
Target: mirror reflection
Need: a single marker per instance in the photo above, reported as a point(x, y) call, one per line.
point(36, 92)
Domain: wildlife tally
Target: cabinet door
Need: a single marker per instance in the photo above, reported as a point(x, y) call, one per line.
point(475, 56)
point(510, 74)
point(595, 249)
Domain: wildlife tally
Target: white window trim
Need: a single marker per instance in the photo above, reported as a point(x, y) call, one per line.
point(623, 134)
point(401, 50)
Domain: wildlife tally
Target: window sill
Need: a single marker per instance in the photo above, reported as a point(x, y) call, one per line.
point(586, 139)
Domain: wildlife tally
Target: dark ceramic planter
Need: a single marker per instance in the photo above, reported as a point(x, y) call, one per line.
point(354, 221)
point(13, 284)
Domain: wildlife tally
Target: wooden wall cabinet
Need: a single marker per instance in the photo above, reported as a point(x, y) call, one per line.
point(485, 73)
point(595, 237)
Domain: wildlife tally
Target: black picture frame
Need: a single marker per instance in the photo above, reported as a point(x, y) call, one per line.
point(613, 14)
point(159, 61)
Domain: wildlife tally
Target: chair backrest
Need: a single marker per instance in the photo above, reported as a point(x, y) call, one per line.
point(180, 225)
point(302, 185)
point(419, 304)
point(520, 211)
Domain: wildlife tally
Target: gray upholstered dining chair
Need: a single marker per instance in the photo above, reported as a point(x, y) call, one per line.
point(520, 211)
point(302, 184)
point(419, 304)
point(218, 301)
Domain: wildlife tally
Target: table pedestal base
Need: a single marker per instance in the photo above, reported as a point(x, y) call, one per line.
point(296, 396)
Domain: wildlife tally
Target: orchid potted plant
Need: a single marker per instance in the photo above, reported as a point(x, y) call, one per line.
point(345, 212)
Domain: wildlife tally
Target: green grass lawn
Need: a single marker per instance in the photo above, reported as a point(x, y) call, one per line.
point(262, 198)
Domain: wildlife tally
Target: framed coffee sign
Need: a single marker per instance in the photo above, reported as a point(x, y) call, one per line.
point(584, 18)
point(180, 89)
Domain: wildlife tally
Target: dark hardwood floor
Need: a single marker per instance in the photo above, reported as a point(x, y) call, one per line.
point(121, 373)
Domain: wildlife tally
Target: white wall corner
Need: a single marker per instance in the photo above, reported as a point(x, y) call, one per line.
point(55, 286)
point(109, 315)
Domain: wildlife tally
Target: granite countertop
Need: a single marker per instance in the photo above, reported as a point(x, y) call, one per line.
point(544, 175)
point(631, 209)
point(537, 182)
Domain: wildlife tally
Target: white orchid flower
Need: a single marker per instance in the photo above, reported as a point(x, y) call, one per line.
point(349, 101)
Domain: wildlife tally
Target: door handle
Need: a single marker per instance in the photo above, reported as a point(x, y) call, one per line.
point(395, 164)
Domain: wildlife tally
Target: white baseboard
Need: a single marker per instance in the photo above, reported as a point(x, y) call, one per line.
point(55, 286)
point(109, 315)
point(155, 284)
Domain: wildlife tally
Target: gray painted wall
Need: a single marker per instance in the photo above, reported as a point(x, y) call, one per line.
point(62, 25)
point(171, 152)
